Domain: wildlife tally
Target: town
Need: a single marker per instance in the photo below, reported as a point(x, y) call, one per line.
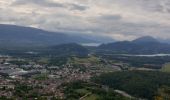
point(44, 81)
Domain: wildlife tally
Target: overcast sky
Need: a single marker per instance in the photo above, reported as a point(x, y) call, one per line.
point(119, 19)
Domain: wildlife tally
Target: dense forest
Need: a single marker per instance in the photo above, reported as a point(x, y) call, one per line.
point(143, 84)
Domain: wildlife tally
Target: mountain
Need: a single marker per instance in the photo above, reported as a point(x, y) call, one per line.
point(12, 36)
point(143, 45)
point(145, 39)
point(165, 41)
point(99, 39)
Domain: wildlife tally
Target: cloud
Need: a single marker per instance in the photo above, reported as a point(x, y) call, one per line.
point(119, 19)
point(49, 3)
point(45, 3)
point(110, 17)
point(78, 7)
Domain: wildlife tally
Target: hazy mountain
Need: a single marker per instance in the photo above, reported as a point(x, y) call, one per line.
point(145, 39)
point(143, 45)
point(98, 38)
point(165, 41)
point(11, 35)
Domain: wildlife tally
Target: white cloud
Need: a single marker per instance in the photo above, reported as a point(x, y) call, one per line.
point(120, 19)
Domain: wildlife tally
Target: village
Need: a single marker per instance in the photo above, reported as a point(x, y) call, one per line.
point(45, 81)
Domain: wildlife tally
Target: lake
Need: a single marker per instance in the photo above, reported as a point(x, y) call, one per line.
point(91, 44)
point(152, 55)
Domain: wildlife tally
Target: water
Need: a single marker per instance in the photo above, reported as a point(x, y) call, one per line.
point(152, 55)
point(31, 52)
point(91, 44)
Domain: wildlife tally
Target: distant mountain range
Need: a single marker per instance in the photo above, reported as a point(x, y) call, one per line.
point(17, 36)
point(12, 36)
point(143, 45)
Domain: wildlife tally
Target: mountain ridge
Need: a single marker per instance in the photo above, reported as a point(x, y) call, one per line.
point(13, 35)
point(137, 47)
point(145, 39)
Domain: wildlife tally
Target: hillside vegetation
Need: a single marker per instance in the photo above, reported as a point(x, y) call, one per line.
point(144, 84)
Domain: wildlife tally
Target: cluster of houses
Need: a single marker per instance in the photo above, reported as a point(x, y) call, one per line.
point(54, 75)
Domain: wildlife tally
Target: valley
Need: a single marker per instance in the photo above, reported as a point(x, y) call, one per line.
point(123, 70)
point(50, 71)
point(84, 49)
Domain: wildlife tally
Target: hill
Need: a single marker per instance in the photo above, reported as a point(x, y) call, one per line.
point(70, 49)
point(143, 45)
point(142, 84)
point(145, 39)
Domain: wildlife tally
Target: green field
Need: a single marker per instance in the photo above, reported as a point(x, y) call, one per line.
point(91, 59)
point(40, 77)
point(82, 91)
point(89, 97)
point(166, 68)
point(92, 97)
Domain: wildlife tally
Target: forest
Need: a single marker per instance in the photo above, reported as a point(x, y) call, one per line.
point(141, 84)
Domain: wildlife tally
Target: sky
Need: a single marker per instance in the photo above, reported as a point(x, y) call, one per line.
point(118, 19)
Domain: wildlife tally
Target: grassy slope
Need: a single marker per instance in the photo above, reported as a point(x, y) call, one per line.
point(166, 68)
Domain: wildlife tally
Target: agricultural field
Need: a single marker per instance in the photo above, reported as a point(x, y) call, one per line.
point(166, 68)
point(90, 60)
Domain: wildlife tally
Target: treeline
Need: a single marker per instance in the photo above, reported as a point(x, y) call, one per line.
point(154, 62)
point(62, 50)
